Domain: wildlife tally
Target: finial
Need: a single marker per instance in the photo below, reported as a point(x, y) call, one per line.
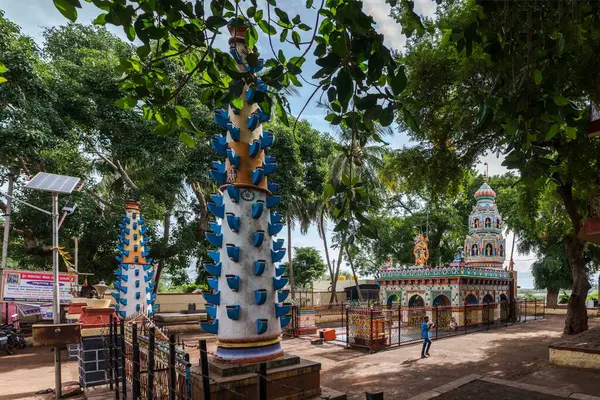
point(485, 173)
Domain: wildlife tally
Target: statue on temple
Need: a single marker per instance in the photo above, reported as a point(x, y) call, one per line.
point(421, 251)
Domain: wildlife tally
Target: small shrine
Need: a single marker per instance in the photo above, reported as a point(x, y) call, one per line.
point(476, 275)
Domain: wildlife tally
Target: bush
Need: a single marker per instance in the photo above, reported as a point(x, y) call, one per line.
point(592, 296)
point(563, 298)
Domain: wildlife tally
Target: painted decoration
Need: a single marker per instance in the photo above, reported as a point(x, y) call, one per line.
point(135, 274)
point(245, 303)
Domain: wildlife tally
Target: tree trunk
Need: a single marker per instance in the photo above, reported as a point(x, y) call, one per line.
point(354, 277)
point(290, 266)
point(552, 298)
point(577, 319)
point(324, 237)
point(202, 212)
point(165, 240)
point(337, 272)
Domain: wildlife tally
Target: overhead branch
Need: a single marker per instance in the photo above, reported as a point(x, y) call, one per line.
point(97, 197)
point(126, 177)
point(202, 209)
point(24, 166)
point(116, 166)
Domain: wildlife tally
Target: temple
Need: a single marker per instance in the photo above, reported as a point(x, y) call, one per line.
point(476, 275)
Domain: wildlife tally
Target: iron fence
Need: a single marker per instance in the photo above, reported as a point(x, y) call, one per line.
point(155, 366)
point(380, 327)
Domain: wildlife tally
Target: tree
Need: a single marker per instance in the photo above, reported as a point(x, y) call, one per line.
point(539, 74)
point(308, 265)
point(553, 274)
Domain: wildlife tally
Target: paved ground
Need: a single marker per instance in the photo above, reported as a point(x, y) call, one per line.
point(484, 390)
point(518, 353)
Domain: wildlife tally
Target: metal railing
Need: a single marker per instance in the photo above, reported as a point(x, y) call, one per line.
point(380, 327)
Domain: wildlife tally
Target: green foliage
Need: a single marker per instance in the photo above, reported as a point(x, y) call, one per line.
point(308, 266)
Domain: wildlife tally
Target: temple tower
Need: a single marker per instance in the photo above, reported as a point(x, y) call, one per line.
point(484, 244)
point(134, 276)
point(246, 302)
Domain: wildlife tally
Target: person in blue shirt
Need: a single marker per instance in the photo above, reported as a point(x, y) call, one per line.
point(425, 327)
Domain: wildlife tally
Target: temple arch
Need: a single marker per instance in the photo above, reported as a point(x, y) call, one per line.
point(487, 299)
point(393, 298)
point(501, 250)
point(442, 301)
point(471, 299)
point(475, 250)
point(488, 222)
point(416, 301)
point(476, 223)
point(489, 250)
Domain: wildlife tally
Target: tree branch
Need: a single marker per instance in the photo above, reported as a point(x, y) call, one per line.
point(126, 177)
point(566, 193)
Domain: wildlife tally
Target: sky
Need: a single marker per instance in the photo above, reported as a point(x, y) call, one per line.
point(33, 16)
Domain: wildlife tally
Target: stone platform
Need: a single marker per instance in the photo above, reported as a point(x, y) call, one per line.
point(579, 351)
point(288, 377)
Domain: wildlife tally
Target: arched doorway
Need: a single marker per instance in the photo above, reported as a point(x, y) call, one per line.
point(470, 312)
point(393, 298)
point(504, 310)
point(488, 309)
point(416, 313)
point(442, 311)
point(470, 299)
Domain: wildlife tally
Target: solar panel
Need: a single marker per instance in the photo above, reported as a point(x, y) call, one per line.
point(53, 183)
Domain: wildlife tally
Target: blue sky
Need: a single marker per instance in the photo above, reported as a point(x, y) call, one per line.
point(35, 15)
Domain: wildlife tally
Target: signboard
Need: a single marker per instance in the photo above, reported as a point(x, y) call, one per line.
point(35, 286)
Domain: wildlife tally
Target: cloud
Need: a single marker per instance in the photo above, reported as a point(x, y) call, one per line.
point(380, 11)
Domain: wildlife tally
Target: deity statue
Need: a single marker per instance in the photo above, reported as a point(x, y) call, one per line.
point(421, 251)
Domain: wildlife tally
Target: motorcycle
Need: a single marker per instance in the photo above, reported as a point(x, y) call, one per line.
point(15, 339)
point(6, 344)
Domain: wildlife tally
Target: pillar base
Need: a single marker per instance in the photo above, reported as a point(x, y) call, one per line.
point(249, 354)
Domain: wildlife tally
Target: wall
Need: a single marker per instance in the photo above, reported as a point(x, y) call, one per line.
point(176, 302)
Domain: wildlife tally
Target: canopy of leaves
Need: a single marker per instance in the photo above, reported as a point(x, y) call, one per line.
point(308, 266)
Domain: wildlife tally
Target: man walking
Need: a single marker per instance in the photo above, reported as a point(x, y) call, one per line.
point(425, 327)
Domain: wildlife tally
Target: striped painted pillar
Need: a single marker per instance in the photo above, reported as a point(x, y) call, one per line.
point(246, 303)
point(134, 276)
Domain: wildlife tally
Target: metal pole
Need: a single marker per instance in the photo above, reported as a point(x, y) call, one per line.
point(110, 353)
point(437, 320)
point(7, 221)
point(151, 344)
point(115, 360)
point(56, 294)
point(204, 369)
point(172, 376)
point(135, 365)
point(262, 381)
point(123, 365)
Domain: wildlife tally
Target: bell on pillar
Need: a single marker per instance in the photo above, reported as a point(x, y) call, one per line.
point(213, 269)
point(260, 296)
point(262, 325)
point(233, 312)
point(212, 298)
point(233, 252)
point(214, 239)
point(285, 320)
point(266, 140)
point(233, 281)
point(210, 327)
point(219, 166)
point(233, 158)
point(216, 210)
point(273, 187)
point(257, 209)
point(213, 282)
point(216, 227)
point(275, 229)
point(278, 244)
point(257, 176)
point(262, 116)
point(254, 148)
point(282, 295)
point(273, 201)
point(279, 283)
point(259, 267)
point(270, 168)
point(233, 131)
point(219, 177)
point(217, 199)
point(281, 310)
point(279, 270)
point(277, 256)
point(275, 217)
point(234, 193)
point(258, 238)
point(211, 311)
point(233, 222)
point(215, 255)
point(253, 121)
point(221, 117)
point(219, 144)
